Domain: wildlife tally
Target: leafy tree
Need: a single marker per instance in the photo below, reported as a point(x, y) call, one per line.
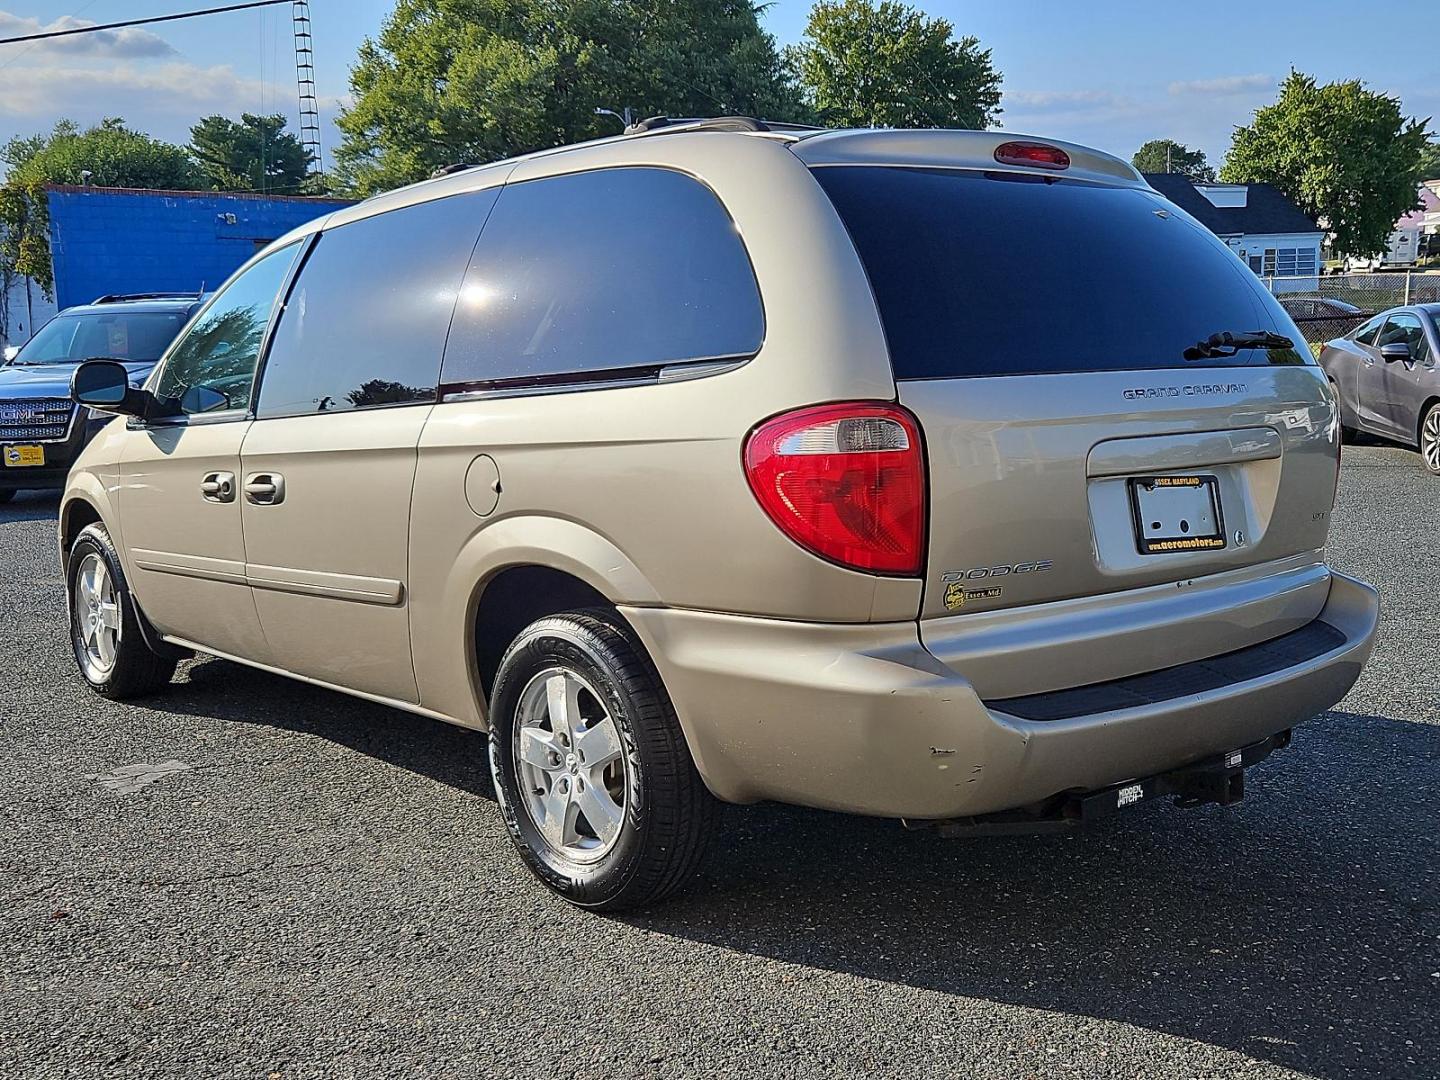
point(110, 153)
point(256, 154)
point(1344, 154)
point(1430, 161)
point(478, 80)
point(887, 65)
point(1167, 155)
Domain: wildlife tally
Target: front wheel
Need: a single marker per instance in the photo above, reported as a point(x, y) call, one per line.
point(1430, 439)
point(105, 631)
point(594, 779)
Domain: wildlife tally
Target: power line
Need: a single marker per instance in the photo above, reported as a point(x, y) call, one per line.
point(140, 22)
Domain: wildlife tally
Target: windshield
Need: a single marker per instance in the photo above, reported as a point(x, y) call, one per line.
point(123, 335)
point(1004, 274)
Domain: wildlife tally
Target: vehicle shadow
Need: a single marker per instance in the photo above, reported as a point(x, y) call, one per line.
point(1269, 928)
point(238, 694)
point(31, 506)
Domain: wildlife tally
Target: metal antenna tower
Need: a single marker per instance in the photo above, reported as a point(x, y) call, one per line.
point(305, 79)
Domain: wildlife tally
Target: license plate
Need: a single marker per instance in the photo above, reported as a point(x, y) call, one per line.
point(23, 457)
point(1176, 513)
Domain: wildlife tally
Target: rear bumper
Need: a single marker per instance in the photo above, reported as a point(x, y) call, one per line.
point(864, 719)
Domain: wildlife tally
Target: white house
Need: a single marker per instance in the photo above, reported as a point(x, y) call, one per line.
point(1266, 230)
point(23, 310)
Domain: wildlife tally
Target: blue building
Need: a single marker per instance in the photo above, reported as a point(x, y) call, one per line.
point(121, 240)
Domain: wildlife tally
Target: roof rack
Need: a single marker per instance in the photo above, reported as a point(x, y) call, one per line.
point(656, 125)
point(118, 298)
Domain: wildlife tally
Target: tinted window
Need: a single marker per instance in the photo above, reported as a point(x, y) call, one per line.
point(1406, 329)
point(365, 323)
point(617, 268)
point(212, 366)
point(990, 274)
point(123, 335)
point(1366, 334)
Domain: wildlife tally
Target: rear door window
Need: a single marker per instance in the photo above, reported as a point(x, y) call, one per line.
point(1001, 274)
point(602, 271)
point(366, 320)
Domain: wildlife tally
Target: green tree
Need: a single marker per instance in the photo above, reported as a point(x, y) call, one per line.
point(107, 155)
point(1167, 155)
point(887, 65)
point(1344, 154)
point(477, 80)
point(1430, 161)
point(256, 154)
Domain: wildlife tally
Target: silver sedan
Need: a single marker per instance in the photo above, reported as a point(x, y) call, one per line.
point(1385, 375)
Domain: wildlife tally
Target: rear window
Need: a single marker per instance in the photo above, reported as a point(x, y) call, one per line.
point(998, 274)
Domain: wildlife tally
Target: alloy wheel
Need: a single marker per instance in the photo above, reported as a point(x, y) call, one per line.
point(571, 766)
point(97, 618)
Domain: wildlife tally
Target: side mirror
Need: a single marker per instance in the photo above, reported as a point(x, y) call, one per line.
point(105, 384)
point(1396, 350)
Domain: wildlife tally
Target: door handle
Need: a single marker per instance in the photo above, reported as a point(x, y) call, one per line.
point(218, 487)
point(265, 488)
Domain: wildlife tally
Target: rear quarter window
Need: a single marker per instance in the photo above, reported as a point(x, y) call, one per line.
point(602, 271)
point(1002, 274)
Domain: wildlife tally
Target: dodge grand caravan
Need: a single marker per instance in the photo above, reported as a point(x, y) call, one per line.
point(942, 476)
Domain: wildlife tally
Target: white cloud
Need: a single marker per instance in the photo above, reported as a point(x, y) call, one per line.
point(130, 43)
point(1060, 100)
point(1229, 84)
point(178, 88)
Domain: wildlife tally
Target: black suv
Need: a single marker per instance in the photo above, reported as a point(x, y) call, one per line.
point(41, 430)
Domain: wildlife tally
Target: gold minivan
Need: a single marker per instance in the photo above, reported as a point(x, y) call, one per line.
point(953, 477)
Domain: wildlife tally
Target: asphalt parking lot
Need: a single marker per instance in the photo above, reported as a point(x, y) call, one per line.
point(326, 891)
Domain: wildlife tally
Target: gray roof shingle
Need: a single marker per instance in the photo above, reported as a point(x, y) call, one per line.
point(1266, 209)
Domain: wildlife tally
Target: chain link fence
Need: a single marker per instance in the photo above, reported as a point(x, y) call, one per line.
point(1328, 307)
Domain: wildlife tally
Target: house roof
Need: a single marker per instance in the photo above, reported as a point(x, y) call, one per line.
point(1266, 209)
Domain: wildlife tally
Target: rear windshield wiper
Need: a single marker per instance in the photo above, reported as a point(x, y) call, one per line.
point(1227, 344)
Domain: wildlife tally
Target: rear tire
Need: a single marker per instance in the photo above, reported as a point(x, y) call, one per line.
point(581, 728)
point(105, 634)
point(1430, 439)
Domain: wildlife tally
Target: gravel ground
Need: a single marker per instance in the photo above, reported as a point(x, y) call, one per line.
point(326, 891)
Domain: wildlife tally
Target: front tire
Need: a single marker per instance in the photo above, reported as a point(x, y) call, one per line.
point(594, 779)
point(105, 634)
point(1430, 439)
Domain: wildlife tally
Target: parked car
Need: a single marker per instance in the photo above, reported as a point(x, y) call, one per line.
point(1386, 381)
point(723, 462)
point(41, 430)
point(1305, 308)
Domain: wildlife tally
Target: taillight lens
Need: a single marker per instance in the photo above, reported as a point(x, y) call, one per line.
point(1036, 155)
point(846, 482)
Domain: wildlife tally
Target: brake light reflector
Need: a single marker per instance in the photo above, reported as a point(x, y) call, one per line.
point(846, 482)
point(1037, 155)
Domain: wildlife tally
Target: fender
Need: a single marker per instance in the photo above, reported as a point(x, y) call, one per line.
point(443, 604)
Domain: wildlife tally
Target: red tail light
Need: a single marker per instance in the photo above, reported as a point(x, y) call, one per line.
point(1036, 155)
point(846, 482)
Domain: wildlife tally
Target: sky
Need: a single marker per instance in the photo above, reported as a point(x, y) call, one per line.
point(1107, 73)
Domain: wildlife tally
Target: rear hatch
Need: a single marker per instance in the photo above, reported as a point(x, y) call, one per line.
point(1038, 325)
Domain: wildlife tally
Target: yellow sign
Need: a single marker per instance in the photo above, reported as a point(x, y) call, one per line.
point(20, 457)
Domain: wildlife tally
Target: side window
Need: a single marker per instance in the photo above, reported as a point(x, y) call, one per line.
point(1366, 334)
point(366, 319)
point(615, 268)
point(212, 367)
point(1406, 328)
